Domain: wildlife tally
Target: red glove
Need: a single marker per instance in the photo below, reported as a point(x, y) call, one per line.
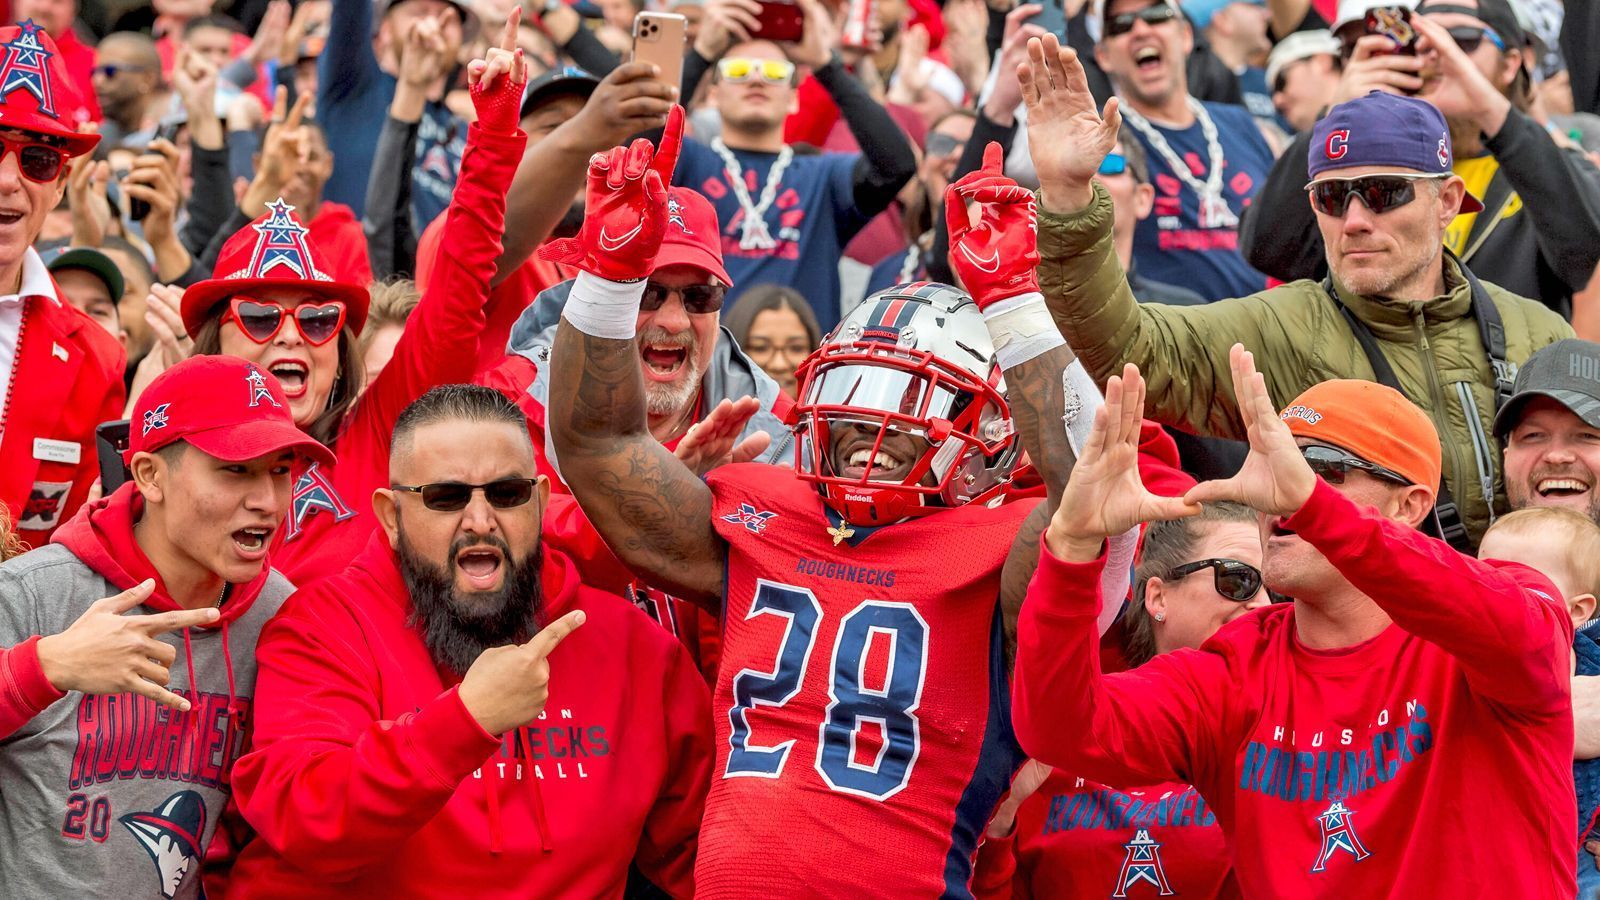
point(497, 81)
point(626, 212)
point(996, 258)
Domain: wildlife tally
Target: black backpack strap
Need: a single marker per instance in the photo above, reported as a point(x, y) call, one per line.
point(1446, 521)
point(1493, 332)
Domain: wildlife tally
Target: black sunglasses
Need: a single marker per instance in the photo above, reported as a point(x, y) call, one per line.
point(697, 298)
point(1122, 23)
point(1332, 465)
point(1235, 580)
point(1469, 38)
point(1379, 193)
point(451, 496)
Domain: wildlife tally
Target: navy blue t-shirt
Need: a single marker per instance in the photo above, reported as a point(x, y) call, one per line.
point(812, 218)
point(1258, 97)
point(1169, 245)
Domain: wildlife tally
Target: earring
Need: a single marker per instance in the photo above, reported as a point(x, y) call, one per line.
point(1161, 617)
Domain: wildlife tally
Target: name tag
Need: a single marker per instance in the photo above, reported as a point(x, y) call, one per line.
point(47, 450)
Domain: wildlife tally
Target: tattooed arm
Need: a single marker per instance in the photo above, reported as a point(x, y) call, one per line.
point(650, 508)
point(1037, 396)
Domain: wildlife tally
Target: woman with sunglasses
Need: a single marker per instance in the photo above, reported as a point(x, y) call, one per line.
point(1061, 836)
point(272, 304)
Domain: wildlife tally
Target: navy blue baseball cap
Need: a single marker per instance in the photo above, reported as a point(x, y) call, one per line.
point(1382, 129)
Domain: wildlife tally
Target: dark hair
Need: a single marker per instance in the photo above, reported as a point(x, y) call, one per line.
point(135, 256)
point(1133, 152)
point(1168, 545)
point(213, 20)
point(458, 403)
point(346, 382)
point(764, 297)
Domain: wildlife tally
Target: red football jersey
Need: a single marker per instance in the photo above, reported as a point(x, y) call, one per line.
point(863, 722)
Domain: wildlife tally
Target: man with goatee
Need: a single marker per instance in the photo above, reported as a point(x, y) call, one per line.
point(433, 720)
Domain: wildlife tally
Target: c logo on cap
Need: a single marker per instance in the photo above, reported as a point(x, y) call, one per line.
point(1444, 153)
point(1338, 143)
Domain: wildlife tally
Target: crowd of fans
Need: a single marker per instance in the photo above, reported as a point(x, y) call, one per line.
point(969, 448)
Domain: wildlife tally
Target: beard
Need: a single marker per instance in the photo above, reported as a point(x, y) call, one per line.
point(457, 629)
point(665, 399)
point(1398, 279)
point(571, 221)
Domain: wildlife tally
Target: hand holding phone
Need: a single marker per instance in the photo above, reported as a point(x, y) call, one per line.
point(658, 38)
point(1394, 23)
point(111, 439)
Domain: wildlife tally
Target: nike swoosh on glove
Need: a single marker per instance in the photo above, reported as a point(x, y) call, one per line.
point(626, 209)
point(997, 256)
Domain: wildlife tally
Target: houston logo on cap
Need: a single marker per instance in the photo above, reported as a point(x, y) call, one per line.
point(24, 68)
point(281, 241)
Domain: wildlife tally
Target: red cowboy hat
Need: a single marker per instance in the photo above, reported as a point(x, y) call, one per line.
point(271, 252)
point(33, 84)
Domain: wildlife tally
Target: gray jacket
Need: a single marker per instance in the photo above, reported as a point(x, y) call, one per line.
point(113, 796)
point(729, 375)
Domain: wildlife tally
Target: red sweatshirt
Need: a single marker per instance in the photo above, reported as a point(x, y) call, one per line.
point(331, 516)
point(1434, 760)
point(337, 234)
point(371, 779)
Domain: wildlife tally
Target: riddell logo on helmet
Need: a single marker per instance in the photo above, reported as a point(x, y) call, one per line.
point(1338, 143)
point(1306, 413)
point(857, 498)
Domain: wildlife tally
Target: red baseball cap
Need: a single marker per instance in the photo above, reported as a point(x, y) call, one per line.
point(271, 252)
point(225, 407)
point(34, 84)
point(694, 237)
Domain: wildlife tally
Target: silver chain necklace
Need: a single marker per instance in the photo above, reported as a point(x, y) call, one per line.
point(753, 233)
point(1214, 211)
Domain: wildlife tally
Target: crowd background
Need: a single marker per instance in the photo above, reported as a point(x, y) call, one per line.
point(813, 174)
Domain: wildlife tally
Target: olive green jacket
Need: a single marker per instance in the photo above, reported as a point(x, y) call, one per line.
point(1299, 339)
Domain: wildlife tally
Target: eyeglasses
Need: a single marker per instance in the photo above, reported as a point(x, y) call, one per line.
point(1470, 37)
point(1151, 15)
point(1113, 164)
point(1333, 465)
point(795, 349)
point(260, 320)
point(1378, 193)
point(1235, 580)
point(453, 496)
point(943, 144)
point(109, 71)
point(697, 298)
point(738, 70)
point(37, 162)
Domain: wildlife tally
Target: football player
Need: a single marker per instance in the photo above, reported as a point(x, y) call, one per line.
point(862, 723)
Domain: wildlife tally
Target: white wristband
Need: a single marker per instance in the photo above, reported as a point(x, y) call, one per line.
point(604, 309)
point(1083, 399)
point(1116, 577)
point(1021, 329)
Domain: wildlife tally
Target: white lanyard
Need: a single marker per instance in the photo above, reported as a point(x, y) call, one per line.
point(1214, 211)
point(754, 234)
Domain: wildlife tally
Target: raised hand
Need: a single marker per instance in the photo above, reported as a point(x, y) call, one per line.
point(996, 256)
point(1105, 495)
point(108, 652)
point(506, 687)
point(1459, 89)
point(1001, 105)
point(714, 440)
point(629, 100)
point(725, 23)
point(1067, 137)
point(496, 81)
point(1374, 66)
point(86, 197)
point(817, 41)
point(626, 209)
point(1275, 479)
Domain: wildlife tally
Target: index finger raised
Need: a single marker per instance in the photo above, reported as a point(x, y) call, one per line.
point(508, 36)
point(553, 634)
point(666, 158)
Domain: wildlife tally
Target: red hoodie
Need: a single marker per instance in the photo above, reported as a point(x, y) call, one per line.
point(1434, 760)
point(371, 779)
point(337, 235)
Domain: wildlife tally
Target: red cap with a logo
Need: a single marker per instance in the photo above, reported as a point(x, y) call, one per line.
point(35, 87)
point(225, 407)
point(271, 252)
point(693, 237)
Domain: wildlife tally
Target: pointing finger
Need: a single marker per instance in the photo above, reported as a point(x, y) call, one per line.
point(554, 633)
point(666, 158)
point(508, 36)
point(178, 620)
point(994, 158)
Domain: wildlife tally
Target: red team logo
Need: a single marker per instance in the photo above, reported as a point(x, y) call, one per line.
point(1338, 143)
point(1143, 863)
point(24, 68)
point(1338, 834)
point(314, 493)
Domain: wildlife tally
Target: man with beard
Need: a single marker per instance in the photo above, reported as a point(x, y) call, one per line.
point(1397, 307)
point(1539, 237)
point(420, 731)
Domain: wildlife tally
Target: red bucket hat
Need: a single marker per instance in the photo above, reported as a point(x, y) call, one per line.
point(33, 85)
point(271, 252)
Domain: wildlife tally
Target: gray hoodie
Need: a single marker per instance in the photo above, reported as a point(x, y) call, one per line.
point(115, 796)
